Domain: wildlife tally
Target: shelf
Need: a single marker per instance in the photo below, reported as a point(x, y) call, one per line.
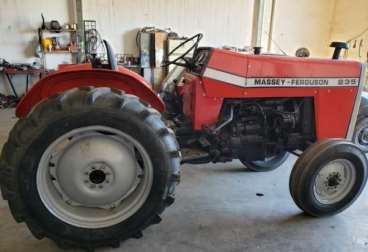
point(129, 66)
point(58, 31)
point(60, 52)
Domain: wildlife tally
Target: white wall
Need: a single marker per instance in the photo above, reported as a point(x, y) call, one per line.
point(19, 20)
point(297, 23)
point(303, 23)
point(223, 22)
point(350, 20)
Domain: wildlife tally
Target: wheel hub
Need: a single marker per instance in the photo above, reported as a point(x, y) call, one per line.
point(109, 172)
point(334, 181)
point(98, 175)
point(94, 177)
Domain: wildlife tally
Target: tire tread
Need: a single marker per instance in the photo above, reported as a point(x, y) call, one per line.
point(80, 97)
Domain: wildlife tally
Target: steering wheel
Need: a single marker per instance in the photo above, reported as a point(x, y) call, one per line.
point(197, 38)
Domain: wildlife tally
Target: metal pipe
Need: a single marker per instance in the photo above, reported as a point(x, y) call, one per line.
point(270, 29)
point(259, 6)
point(226, 122)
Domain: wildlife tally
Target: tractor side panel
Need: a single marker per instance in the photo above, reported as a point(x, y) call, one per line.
point(83, 76)
point(278, 76)
point(203, 110)
point(333, 107)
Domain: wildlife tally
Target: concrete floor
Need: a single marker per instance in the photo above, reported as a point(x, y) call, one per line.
point(217, 210)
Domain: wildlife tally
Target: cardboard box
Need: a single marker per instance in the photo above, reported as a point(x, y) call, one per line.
point(154, 76)
point(145, 50)
point(160, 39)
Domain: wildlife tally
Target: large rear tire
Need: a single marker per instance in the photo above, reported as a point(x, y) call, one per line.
point(328, 177)
point(90, 168)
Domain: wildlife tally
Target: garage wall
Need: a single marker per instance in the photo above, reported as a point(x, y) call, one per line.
point(303, 23)
point(19, 20)
point(297, 23)
point(350, 20)
point(223, 22)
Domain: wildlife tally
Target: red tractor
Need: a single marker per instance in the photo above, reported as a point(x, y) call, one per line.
point(95, 156)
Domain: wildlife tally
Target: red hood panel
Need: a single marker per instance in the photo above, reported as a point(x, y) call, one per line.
point(281, 66)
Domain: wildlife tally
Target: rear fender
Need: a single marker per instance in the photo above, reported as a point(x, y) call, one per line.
point(84, 75)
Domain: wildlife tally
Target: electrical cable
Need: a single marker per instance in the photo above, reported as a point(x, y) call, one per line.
point(358, 35)
point(275, 43)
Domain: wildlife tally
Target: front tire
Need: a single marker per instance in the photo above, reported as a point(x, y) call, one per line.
point(328, 177)
point(90, 168)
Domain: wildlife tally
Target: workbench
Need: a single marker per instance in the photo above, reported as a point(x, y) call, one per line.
point(10, 72)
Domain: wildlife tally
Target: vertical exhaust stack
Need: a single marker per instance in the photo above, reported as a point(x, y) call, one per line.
point(338, 47)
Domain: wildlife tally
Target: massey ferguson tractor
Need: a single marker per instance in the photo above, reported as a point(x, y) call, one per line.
point(95, 155)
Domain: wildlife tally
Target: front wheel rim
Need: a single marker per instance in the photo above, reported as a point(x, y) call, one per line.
point(334, 181)
point(94, 177)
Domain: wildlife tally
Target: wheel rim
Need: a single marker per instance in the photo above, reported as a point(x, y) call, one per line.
point(271, 162)
point(334, 181)
point(267, 160)
point(94, 177)
point(361, 137)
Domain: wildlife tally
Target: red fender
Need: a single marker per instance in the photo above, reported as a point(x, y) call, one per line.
point(72, 76)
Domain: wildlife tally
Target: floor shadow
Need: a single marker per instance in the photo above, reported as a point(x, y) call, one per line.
point(231, 170)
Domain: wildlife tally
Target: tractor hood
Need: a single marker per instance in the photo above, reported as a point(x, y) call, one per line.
point(280, 71)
